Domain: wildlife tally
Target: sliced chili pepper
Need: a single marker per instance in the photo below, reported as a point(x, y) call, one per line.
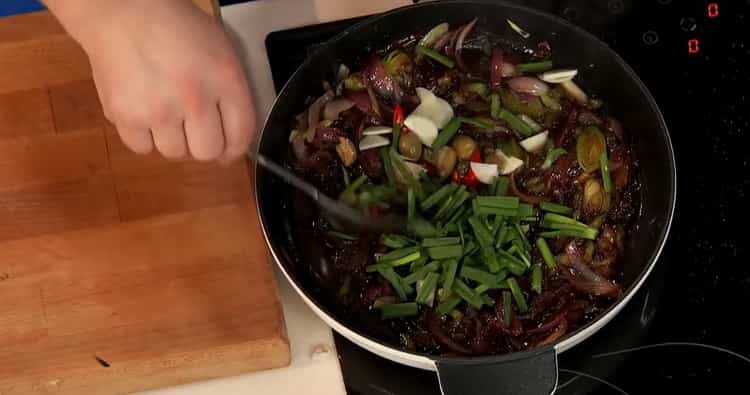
point(470, 179)
point(476, 156)
point(398, 115)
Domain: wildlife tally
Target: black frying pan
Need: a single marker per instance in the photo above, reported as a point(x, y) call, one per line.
point(600, 71)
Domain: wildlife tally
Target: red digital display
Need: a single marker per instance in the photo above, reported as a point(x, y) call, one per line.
point(693, 45)
point(713, 10)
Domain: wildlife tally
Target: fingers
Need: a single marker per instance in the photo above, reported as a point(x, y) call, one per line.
point(138, 139)
point(204, 132)
point(170, 140)
point(238, 117)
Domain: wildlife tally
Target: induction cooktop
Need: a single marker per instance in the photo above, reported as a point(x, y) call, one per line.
point(684, 332)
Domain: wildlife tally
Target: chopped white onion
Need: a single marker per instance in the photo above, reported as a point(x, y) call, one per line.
point(372, 141)
point(575, 92)
point(536, 142)
point(433, 108)
point(377, 130)
point(485, 172)
point(423, 127)
point(293, 135)
point(510, 163)
point(558, 76)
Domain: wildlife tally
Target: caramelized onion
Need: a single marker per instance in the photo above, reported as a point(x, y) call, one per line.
point(313, 114)
point(524, 197)
point(460, 43)
point(528, 85)
point(335, 107)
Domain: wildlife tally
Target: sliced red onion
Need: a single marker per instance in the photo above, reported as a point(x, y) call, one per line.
point(460, 43)
point(443, 41)
point(529, 85)
point(361, 100)
point(381, 81)
point(587, 280)
point(335, 107)
point(450, 47)
point(496, 68)
point(313, 114)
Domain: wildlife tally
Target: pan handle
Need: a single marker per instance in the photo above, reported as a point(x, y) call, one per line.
point(529, 373)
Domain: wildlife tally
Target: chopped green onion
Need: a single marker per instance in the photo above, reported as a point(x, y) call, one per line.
point(396, 135)
point(589, 234)
point(531, 122)
point(482, 123)
point(515, 265)
point(515, 290)
point(522, 237)
point(510, 202)
point(481, 288)
point(436, 56)
point(541, 244)
point(347, 181)
point(552, 156)
point(481, 232)
point(534, 68)
point(418, 264)
point(449, 273)
point(557, 218)
point(507, 309)
point(411, 203)
point(471, 247)
point(448, 305)
point(426, 292)
point(461, 234)
point(342, 236)
point(467, 294)
point(399, 310)
point(406, 174)
point(501, 185)
point(495, 106)
point(486, 299)
point(518, 29)
point(447, 133)
point(440, 241)
point(525, 210)
point(480, 276)
point(536, 278)
point(438, 196)
point(515, 123)
point(396, 241)
point(502, 234)
point(433, 36)
point(457, 203)
point(422, 228)
point(400, 253)
point(445, 252)
point(604, 164)
point(555, 208)
point(490, 259)
point(422, 272)
point(457, 214)
point(395, 280)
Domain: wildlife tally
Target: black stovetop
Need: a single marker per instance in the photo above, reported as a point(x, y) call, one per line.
point(694, 56)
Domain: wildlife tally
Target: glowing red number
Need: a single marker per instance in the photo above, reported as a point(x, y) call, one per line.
point(713, 10)
point(693, 45)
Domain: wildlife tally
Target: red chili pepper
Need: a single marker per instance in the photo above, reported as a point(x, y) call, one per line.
point(376, 211)
point(470, 179)
point(476, 156)
point(398, 115)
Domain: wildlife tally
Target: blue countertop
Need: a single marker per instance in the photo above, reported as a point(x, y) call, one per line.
point(10, 7)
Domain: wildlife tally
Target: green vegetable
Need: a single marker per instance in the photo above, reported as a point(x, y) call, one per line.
point(481, 232)
point(480, 276)
point(438, 196)
point(457, 204)
point(490, 259)
point(514, 265)
point(436, 56)
point(345, 172)
point(342, 236)
point(467, 294)
point(555, 208)
point(421, 228)
point(418, 264)
point(411, 203)
point(479, 88)
point(536, 278)
point(448, 305)
point(502, 235)
point(534, 68)
point(557, 218)
point(511, 102)
point(395, 280)
point(398, 310)
point(399, 253)
point(525, 210)
point(515, 290)
point(589, 148)
point(501, 185)
point(421, 273)
point(388, 165)
point(552, 156)
point(544, 250)
point(589, 234)
point(495, 106)
point(509, 202)
point(482, 123)
point(433, 36)
point(397, 63)
point(604, 165)
point(426, 292)
point(348, 196)
point(447, 133)
point(445, 252)
point(449, 273)
point(516, 123)
point(507, 309)
point(440, 241)
point(396, 134)
point(396, 241)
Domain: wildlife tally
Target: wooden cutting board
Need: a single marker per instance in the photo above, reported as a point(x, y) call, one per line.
point(118, 272)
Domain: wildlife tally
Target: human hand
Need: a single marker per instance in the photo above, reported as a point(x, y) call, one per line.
point(167, 76)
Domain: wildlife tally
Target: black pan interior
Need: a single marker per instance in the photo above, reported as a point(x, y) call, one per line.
point(601, 72)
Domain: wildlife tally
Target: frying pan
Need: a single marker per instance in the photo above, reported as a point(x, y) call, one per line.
point(600, 70)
